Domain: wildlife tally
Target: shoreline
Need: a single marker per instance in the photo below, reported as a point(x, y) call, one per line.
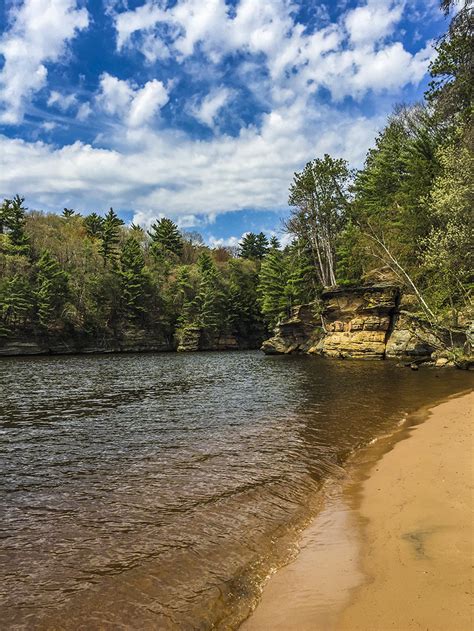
point(391, 547)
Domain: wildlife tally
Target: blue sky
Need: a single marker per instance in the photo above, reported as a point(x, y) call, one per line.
point(200, 110)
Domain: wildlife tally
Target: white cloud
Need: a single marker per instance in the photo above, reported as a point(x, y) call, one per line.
point(209, 107)
point(337, 57)
point(172, 174)
point(134, 106)
point(38, 34)
point(375, 20)
point(229, 242)
point(83, 112)
point(62, 102)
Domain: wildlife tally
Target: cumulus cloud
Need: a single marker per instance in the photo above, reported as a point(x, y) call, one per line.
point(178, 176)
point(38, 34)
point(373, 21)
point(134, 106)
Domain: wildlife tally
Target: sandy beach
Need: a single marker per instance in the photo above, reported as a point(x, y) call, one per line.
point(393, 548)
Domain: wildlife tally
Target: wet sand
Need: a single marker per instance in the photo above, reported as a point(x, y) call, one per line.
point(393, 547)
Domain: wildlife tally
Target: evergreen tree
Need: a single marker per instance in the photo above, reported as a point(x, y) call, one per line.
point(94, 224)
point(271, 287)
point(301, 286)
point(16, 301)
point(165, 238)
point(452, 70)
point(51, 289)
point(68, 212)
point(12, 220)
point(110, 237)
point(274, 243)
point(133, 279)
point(209, 298)
point(253, 246)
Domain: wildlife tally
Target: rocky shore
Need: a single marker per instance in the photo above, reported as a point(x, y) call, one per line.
point(368, 322)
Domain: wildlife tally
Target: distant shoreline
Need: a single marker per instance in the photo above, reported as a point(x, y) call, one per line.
point(392, 548)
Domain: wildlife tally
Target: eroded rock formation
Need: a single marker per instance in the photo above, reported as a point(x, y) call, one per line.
point(369, 322)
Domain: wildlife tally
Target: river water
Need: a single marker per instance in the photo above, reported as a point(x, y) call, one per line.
point(157, 491)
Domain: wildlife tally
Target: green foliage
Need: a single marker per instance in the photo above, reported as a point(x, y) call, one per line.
point(209, 298)
point(319, 196)
point(447, 250)
point(165, 238)
point(272, 285)
point(452, 70)
point(16, 301)
point(51, 289)
point(110, 236)
point(253, 246)
point(12, 222)
point(133, 278)
point(94, 224)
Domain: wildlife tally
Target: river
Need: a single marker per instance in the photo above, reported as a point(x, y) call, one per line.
point(156, 491)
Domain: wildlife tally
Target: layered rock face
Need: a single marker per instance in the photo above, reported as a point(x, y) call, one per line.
point(298, 334)
point(131, 341)
point(369, 322)
point(357, 321)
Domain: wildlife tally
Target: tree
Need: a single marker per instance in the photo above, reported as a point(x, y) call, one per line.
point(165, 238)
point(94, 224)
point(301, 286)
point(51, 289)
point(68, 212)
point(16, 301)
point(447, 250)
point(133, 279)
point(320, 200)
point(110, 237)
point(452, 70)
point(390, 189)
point(271, 288)
point(12, 220)
point(209, 298)
point(253, 246)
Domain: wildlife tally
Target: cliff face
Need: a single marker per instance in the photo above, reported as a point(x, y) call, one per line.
point(34, 343)
point(361, 323)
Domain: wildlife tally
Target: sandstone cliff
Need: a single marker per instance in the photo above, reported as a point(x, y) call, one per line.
point(369, 322)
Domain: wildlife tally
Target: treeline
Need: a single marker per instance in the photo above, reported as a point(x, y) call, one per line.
point(405, 217)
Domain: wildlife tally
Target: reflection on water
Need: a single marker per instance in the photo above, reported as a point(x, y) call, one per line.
point(154, 491)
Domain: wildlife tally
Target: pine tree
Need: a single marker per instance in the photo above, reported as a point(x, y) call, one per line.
point(110, 237)
point(94, 224)
point(16, 301)
point(209, 298)
point(301, 286)
point(68, 212)
point(253, 246)
point(12, 220)
point(133, 279)
point(51, 289)
point(271, 287)
point(165, 238)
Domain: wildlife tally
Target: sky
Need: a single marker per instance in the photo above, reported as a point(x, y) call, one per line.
point(199, 110)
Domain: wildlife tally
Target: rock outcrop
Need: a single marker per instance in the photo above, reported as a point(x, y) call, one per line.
point(298, 334)
point(368, 322)
point(357, 321)
point(37, 343)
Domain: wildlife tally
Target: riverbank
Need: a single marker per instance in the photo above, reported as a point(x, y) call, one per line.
point(393, 548)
